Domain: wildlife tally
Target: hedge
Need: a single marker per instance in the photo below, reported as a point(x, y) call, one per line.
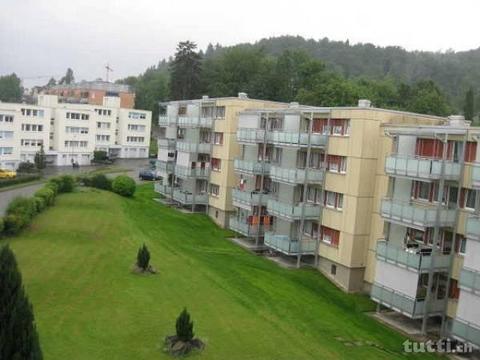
point(18, 180)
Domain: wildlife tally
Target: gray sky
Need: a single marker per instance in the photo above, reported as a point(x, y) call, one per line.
point(44, 37)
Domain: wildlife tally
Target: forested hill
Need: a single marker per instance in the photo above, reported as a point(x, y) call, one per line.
point(454, 72)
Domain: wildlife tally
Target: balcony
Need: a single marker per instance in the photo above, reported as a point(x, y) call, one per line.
point(187, 198)
point(296, 176)
point(476, 175)
point(421, 167)
point(465, 331)
point(415, 214)
point(200, 122)
point(408, 306)
point(251, 167)
point(470, 279)
point(288, 246)
point(165, 120)
point(192, 147)
point(251, 136)
point(246, 199)
point(164, 190)
point(168, 144)
point(473, 228)
point(295, 139)
point(242, 227)
point(290, 212)
point(189, 172)
point(164, 166)
point(412, 259)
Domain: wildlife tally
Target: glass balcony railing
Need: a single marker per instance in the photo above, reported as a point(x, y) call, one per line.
point(187, 198)
point(165, 120)
point(288, 246)
point(395, 300)
point(421, 167)
point(297, 139)
point(245, 135)
point(291, 212)
point(476, 175)
point(245, 229)
point(251, 167)
point(248, 198)
point(190, 121)
point(197, 172)
point(165, 190)
point(409, 258)
point(166, 144)
point(164, 166)
point(296, 176)
point(470, 279)
point(191, 147)
point(466, 331)
point(473, 228)
point(416, 214)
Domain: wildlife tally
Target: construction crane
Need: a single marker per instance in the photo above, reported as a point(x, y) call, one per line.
point(109, 69)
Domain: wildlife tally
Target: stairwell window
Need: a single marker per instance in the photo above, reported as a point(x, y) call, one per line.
point(333, 200)
point(216, 164)
point(218, 138)
point(337, 164)
point(214, 190)
point(467, 199)
point(220, 112)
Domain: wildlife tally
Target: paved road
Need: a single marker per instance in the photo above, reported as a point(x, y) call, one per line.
point(6, 196)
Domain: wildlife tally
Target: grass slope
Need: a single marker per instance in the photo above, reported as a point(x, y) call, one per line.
point(76, 258)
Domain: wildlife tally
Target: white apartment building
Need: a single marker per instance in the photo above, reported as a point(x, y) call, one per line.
point(71, 132)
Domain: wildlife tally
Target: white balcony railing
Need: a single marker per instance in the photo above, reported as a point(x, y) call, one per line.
point(296, 176)
point(288, 246)
point(195, 172)
point(293, 212)
point(191, 147)
point(251, 167)
point(421, 167)
point(187, 198)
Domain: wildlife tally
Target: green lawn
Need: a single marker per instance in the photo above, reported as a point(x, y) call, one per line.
point(76, 260)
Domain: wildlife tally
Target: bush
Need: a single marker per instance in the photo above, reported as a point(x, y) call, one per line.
point(100, 181)
point(124, 185)
point(26, 167)
point(25, 207)
point(143, 257)
point(1, 226)
point(12, 224)
point(100, 155)
point(47, 194)
point(18, 180)
point(184, 326)
point(52, 185)
point(64, 184)
point(40, 203)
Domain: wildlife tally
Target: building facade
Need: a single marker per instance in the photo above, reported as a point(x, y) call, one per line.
point(70, 133)
point(196, 152)
point(93, 92)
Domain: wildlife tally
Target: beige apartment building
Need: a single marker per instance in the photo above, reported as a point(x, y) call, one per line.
point(196, 152)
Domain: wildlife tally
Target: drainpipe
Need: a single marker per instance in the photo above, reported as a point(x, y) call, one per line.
point(436, 232)
point(451, 255)
point(305, 185)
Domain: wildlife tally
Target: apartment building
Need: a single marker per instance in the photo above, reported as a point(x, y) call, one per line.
point(306, 183)
point(70, 133)
point(93, 93)
point(423, 252)
point(196, 152)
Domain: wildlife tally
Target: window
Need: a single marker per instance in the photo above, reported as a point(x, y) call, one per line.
point(207, 111)
point(32, 127)
point(333, 269)
point(330, 236)
point(136, 115)
point(314, 194)
point(76, 130)
point(333, 200)
point(6, 150)
point(216, 164)
point(77, 116)
point(103, 125)
point(214, 190)
point(74, 144)
point(220, 113)
point(6, 134)
point(337, 164)
point(135, 139)
point(182, 110)
point(218, 138)
point(471, 151)
point(454, 291)
point(460, 244)
point(340, 127)
point(103, 137)
point(32, 112)
point(311, 228)
point(31, 143)
point(134, 127)
point(6, 118)
point(467, 199)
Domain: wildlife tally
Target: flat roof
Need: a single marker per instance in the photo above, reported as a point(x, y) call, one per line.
point(95, 85)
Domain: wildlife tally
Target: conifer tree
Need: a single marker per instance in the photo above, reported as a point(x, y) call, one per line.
point(184, 326)
point(143, 257)
point(18, 335)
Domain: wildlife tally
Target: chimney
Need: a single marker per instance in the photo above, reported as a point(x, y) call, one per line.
point(242, 95)
point(205, 97)
point(364, 103)
point(458, 121)
point(294, 105)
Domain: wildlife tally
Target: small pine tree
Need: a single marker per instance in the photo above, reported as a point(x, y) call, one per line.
point(39, 159)
point(143, 257)
point(18, 335)
point(184, 326)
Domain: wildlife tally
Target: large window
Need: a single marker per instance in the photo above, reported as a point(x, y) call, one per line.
point(337, 164)
point(32, 127)
point(6, 118)
point(330, 236)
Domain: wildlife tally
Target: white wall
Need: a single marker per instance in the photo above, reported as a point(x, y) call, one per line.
point(291, 123)
point(397, 278)
point(249, 121)
point(406, 144)
point(469, 307)
point(472, 256)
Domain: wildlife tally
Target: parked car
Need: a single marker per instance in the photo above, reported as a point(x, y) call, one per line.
point(7, 174)
point(147, 175)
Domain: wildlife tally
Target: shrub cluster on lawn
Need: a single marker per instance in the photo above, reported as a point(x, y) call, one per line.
point(18, 180)
point(21, 210)
point(122, 184)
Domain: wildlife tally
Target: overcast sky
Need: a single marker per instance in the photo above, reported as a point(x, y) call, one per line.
point(44, 37)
